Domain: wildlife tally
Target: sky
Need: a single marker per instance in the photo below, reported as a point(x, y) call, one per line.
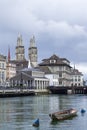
point(59, 27)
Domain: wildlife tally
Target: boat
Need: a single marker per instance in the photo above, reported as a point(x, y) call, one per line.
point(62, 115)
point(36, 123)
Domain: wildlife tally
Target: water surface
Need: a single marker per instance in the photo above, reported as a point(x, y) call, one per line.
point(19, 113)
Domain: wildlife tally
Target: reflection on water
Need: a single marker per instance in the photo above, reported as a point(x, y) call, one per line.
point(20, 112)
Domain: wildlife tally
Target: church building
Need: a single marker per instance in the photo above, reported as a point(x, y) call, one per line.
point(27, 75)
point(20, 60)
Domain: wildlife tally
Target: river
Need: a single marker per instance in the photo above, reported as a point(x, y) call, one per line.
point(19, 113)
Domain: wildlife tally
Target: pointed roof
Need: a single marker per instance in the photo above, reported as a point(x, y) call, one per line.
point(54, 60)
point(54, 57)
point(19, 40)
point(32, 41)
point(76, 72)
point(21, 76)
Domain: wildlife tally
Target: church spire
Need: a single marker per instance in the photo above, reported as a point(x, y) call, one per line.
point(9, 54)
point(32, 41)
point(19, 40)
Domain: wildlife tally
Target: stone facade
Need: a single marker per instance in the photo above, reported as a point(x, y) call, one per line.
point(59, 70)
point(20, 64)
point(20, 51)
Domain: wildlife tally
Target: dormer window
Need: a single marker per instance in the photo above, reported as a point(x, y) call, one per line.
point(53, 61)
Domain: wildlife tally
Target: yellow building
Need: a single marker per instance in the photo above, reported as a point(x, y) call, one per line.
point(10, 70)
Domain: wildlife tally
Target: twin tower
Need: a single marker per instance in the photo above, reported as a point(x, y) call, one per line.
point(32, 51)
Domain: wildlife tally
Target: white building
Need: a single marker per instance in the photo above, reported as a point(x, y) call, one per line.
point(2, 70)
point(58, 70)
point(77, 78)
point(53, 79)
point(30, 78)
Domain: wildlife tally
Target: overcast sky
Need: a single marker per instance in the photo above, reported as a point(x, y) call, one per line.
point(59, 27)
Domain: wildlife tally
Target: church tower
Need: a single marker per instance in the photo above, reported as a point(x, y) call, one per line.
point(32, 52)
point(20, 51)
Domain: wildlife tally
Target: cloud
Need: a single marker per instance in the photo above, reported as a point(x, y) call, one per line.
point(60, 27)
point(82, 67)
point(65, 30)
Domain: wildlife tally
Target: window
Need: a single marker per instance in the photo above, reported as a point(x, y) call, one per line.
point(75, 84)
point(78, 79)
point(60, 68)
point(2, 65)
point(60, 74)
point(60, 82)
point(3, 75)
point(52, 61)
point(75, 79)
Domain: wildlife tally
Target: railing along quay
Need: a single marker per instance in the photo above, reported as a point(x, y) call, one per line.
point(8, 92)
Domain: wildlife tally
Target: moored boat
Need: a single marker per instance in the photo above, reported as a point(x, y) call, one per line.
point(62, 115)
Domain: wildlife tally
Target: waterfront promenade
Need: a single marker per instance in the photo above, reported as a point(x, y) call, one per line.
point(12, 92)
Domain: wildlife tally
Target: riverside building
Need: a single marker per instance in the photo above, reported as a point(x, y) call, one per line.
point(58, 70)
point(60, 73)
point(53, 71)
point(77, 78)
point(27, 74)
point(10, 68)
point(30, 78)
point(3, 60)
